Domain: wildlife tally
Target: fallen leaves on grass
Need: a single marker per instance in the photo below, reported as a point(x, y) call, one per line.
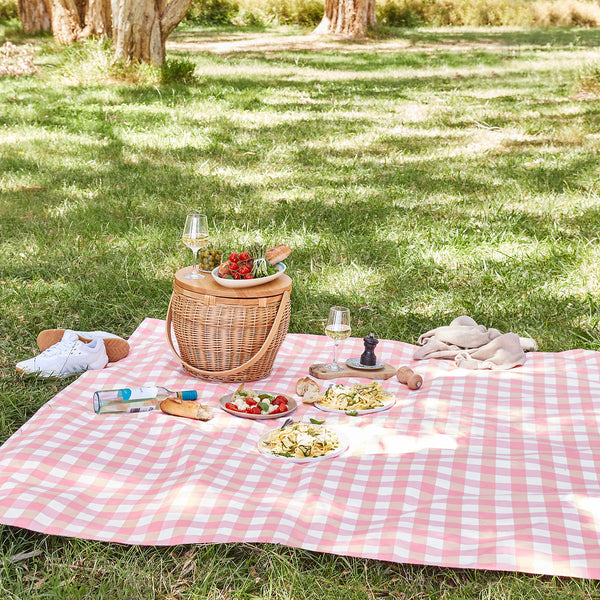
point(16, 61)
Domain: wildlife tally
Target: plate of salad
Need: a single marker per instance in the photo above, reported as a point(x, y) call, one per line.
point(356, 399)
point(258, 404)
point(275, 272)
point(302, 443)
point(251, 267)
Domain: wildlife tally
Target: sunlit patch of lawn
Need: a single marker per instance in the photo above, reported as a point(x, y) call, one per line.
point(416, 178)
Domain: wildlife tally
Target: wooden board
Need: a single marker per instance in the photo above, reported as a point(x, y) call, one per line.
point(209, 287)
point(318, 371)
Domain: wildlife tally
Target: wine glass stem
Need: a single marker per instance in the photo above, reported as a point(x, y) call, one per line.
point(335, 351)
point(195, 269)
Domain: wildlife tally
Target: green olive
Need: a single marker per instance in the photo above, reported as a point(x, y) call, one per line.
point(209, 258)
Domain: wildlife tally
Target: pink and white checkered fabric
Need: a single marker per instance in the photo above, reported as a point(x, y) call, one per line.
point(477, 469)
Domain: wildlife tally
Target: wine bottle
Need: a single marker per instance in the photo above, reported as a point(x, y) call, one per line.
point(140, 399)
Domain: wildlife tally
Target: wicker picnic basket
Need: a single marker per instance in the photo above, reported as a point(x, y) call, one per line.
point(225, 334)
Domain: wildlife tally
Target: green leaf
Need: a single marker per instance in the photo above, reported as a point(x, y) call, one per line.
point(263, 406)
point(316, 422)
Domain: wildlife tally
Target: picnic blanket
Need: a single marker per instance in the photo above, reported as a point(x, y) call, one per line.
point(477, 469)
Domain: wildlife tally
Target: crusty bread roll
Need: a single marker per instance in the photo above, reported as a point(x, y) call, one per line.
point(308, 389)
point(277, 254)
point(186, 408)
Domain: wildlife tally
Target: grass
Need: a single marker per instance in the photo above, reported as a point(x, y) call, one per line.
point(417, 177)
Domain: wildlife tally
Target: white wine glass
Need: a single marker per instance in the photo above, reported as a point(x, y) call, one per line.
point(337, 329)
point(195, 236)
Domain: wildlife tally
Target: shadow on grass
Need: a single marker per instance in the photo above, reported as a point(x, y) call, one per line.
point(411, 197)
point(111, 159)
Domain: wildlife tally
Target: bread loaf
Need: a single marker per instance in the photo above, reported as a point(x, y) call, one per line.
point(277, 254)
point(186, 408)
point(308, 389)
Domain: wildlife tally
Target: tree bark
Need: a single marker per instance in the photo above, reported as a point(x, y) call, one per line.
point(141, 27)
point(348, 17)
point(34, 16)
point(66, 20)
point(74, 20)
point(97, 20)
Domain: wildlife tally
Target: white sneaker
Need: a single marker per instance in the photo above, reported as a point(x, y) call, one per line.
point(116, 347)
point(67, 357)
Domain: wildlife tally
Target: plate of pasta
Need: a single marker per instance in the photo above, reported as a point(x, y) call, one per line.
point(302, 443)
point(356, 399)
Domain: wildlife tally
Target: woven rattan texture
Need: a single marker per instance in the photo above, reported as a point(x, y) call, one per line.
point(219, 334)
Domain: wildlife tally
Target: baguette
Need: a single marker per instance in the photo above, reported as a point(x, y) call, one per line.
point(277, 254)
point(186, 408)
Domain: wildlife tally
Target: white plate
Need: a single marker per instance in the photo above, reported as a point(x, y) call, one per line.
point(292, 406)
point(386, 406)
point(309, 459)
point(246, 283)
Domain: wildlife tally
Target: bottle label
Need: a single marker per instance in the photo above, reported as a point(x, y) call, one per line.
point(138, 409)
point(139, 393)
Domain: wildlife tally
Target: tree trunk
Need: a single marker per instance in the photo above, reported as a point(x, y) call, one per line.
point(34, 16)
point(74, 20)
point(97, 20)
point(141, 27)
point(66, 20)
point(348, 17)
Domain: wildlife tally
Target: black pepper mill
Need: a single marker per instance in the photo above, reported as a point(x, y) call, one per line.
point(368, 358)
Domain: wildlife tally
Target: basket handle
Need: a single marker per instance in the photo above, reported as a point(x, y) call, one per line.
point(263, 349)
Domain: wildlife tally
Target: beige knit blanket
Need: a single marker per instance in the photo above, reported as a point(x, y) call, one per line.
point(474, 346)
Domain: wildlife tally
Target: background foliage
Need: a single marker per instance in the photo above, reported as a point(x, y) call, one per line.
point(393, 13)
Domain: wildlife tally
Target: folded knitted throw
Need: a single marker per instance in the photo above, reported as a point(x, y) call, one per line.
point(474, 346)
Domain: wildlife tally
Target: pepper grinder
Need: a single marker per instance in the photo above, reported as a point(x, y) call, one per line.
point(368, 358)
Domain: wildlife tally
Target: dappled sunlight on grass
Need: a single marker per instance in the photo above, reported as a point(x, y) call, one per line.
point(441, 171)
point(433, 173)
point(353, 281)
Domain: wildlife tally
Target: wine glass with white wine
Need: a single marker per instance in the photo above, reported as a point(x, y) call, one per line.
point(337, 329)
point(195, 236)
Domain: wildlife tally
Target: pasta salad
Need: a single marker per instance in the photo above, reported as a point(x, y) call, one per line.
point(357, 397)
point(300, 440)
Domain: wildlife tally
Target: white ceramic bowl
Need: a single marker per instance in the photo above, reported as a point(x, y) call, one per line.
point(246, 283)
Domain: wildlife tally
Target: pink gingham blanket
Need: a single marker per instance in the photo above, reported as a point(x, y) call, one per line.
point(477, 469)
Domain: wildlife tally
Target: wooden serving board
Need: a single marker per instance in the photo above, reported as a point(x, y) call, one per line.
point(318, 371)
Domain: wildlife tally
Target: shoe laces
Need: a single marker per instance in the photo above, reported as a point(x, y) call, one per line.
point(62, 347)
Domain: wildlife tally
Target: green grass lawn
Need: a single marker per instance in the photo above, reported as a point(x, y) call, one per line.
point(417, 177)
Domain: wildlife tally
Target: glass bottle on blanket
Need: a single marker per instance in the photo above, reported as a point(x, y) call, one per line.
point(132, 400)
point(337, 329)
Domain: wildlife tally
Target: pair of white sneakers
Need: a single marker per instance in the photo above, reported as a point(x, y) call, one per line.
point(66, 352)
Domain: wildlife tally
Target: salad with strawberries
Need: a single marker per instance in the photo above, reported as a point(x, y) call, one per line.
point(253, 402)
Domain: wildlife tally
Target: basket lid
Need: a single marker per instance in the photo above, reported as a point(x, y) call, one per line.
point(210, 287)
